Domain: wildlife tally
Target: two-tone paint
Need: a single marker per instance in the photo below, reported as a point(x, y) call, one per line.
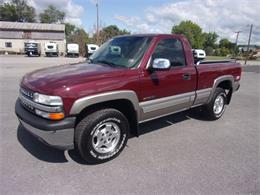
point(151, 93)
point(74, 82)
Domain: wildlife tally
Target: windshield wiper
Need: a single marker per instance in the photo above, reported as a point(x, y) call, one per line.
point(106, 62)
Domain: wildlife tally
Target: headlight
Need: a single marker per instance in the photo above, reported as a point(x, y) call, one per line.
point(47, 100)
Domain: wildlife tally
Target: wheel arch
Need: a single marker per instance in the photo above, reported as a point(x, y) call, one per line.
point(225, 82)
point(124, 101)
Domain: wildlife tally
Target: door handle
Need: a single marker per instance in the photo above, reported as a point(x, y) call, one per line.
point(186, 76)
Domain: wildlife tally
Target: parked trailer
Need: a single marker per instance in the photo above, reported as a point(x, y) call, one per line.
point(73, 50)
point(199, 54)
point(51, 49)
point(32, 48)
point(91, 48)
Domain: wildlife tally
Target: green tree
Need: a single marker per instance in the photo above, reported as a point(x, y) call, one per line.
point(192, 31)
point(17, 11)
point(52, 15)
point(109, 32)
point(225, 43)
point(226, 47)
point(69, 30)
point(80, 37)
point(210, 40)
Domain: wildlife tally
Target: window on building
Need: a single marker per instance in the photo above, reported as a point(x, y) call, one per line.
point(172, 50)
point(8, 44)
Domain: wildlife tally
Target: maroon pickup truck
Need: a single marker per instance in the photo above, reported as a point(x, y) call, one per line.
point(94, 106)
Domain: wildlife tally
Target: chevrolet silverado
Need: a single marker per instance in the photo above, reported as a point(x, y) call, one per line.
point(94, 106)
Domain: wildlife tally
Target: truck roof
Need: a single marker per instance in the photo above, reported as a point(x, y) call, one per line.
point(151, 35)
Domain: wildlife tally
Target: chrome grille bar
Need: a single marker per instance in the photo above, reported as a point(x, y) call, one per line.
point(28, 102)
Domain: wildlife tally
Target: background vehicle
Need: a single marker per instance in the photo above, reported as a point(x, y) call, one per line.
point(199, 54)
point(51, 49)
point(130, 79)
point(73, 50)
point(32, 48)
point(90, 49)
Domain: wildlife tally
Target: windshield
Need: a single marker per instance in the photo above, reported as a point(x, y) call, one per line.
point(122, 51)
point(30, 44)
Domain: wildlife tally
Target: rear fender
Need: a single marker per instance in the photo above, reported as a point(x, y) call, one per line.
point(217, 81)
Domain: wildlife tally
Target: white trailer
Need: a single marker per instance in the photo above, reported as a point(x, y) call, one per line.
point(51, 49)
point(73, 50)
point(91, 48)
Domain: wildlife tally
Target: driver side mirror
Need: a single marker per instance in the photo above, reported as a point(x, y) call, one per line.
point(161, 64)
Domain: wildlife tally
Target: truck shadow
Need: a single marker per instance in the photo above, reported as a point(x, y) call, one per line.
point(170, 120)
point(48, 154)
point(38, 149)
point(154, 125)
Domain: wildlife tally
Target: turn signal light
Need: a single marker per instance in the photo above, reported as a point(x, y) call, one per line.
point(56, 116)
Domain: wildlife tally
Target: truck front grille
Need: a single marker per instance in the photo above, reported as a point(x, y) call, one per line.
point(26, 99)
point(28, 94)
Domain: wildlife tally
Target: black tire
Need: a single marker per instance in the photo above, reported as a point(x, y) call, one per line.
point(210, 111)
point(87, 130)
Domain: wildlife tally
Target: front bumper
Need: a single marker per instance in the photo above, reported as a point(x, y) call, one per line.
point(58, 134)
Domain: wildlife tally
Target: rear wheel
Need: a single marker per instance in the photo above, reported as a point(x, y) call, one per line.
point(101, 136)
point(217, 106)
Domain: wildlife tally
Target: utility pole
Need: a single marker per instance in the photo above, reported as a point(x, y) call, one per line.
point(237, 36)
point(97, 33)
point(249, 39)
point(236, 43)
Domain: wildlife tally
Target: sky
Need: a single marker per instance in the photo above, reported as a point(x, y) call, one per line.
point(224, 17)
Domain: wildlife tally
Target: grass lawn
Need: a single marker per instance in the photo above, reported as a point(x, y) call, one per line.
point(225, 58)
point(216, 58)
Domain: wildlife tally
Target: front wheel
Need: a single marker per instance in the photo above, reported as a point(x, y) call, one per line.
point(102, 135)
point(217, 106)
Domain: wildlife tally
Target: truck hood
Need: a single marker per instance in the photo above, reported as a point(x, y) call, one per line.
point(49, 79)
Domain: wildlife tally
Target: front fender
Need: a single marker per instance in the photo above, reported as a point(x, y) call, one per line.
point(84, 102)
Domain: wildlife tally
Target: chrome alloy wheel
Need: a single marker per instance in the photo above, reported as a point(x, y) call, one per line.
point(219, 104)
point(106, 137)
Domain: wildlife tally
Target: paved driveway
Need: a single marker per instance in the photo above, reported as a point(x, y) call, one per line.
point(178, 154)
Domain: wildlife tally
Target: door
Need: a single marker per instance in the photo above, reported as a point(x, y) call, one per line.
point(167, 91)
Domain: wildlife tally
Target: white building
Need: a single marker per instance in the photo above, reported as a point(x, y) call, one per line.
point(13, 35)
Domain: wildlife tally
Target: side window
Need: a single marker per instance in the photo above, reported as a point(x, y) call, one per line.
point(172, 50)
point(8, 44)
